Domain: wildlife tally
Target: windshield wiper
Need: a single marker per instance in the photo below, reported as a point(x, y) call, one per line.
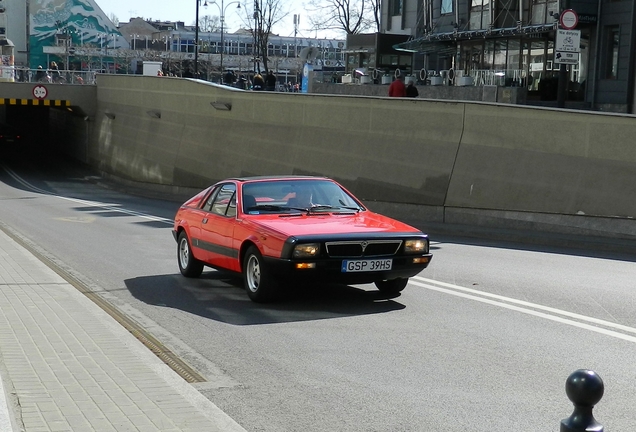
point(270, 207)
point(314, 208)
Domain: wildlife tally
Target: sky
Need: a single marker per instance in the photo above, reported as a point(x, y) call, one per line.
point(185, 10)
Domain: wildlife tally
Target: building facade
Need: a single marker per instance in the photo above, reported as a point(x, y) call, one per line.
point(512, 43)
point(174, 44)
point(77, 35)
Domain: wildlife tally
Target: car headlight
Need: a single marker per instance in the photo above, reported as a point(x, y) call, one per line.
point(416, 246)
point(306, 250)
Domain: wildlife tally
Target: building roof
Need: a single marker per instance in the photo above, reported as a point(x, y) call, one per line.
point(445, 41)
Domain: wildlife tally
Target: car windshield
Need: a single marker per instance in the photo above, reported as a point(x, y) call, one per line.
point(293, 196)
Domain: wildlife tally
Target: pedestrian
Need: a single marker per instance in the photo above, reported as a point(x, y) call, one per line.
point(241, 82)
point(228, 78)
point(270, 81)
point(55, 72)
point(397, 87)
point(41, 76)
point(259, 82)
point(411, 90)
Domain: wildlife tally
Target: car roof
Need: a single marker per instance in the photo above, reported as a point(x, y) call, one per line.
point(277, 177)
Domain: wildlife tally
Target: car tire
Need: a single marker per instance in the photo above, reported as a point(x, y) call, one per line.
point(256, 278)
point(188, 264)
point(392, 285)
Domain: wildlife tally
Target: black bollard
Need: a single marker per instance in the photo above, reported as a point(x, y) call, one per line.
point(585, 389)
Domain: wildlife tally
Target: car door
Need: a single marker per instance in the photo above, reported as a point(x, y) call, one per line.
point(195, 218)
point(217, 227)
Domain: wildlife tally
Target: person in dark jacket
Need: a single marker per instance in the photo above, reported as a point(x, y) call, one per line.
point(270, 81)
point(229, 78)
point(411, 90)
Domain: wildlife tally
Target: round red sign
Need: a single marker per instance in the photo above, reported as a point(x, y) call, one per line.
point(569, 19)
point(40, 92)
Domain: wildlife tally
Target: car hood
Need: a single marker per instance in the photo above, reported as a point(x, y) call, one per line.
point(332, 223)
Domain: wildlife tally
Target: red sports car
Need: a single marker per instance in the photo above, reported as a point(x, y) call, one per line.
point(276, 230)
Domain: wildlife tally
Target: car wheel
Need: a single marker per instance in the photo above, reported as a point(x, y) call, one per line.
point(258, 283)
point(188, 264)
point(392, 285)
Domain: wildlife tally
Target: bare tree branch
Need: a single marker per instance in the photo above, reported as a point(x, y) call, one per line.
point(261, 16)
point(351, 16)
point(209, 23)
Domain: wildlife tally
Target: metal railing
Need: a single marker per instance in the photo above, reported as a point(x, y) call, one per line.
point(48, 76)
point(503, 77)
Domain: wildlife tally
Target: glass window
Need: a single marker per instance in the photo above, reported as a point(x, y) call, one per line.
point(447, 6)
point(479, 15)
point(396, 7)
point(611, 62)
point(224, 202)
point(290, 195)
point(210, 200)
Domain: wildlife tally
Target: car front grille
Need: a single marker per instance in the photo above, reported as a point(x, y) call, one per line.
point(362, 248)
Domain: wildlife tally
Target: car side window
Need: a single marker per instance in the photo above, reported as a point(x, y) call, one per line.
point(208, 203)
point(224, 202)
point(231, 208)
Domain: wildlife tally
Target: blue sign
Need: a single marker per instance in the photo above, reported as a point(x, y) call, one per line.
point(305, 82)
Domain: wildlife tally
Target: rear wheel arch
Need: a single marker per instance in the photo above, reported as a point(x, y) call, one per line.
point(189, 266)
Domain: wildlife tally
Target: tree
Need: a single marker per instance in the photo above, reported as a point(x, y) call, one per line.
point(376, 12)
point(352, 16)
point(114, 19)
point(209, 23)
point(260, 17)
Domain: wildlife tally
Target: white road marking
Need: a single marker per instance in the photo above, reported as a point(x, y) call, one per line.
point(105, 206)
point(528, 308)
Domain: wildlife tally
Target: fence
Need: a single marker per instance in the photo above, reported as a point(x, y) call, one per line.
point(17, 74)
point(505, 77)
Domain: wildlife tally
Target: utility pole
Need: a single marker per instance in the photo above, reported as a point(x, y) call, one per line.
point(296, 24)
point(563, 73)
point(256, 36)
point(196, 42)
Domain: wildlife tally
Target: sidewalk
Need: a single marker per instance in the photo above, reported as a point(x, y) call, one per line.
point(66, 365)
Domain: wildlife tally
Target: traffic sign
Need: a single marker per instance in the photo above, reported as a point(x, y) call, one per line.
point(568, 40)
point(569, 19)
point(566, 57)
point(40, 92)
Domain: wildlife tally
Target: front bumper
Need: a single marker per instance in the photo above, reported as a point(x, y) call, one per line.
point(330, 270)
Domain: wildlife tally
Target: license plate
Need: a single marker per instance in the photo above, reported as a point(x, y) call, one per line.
point(351, 266)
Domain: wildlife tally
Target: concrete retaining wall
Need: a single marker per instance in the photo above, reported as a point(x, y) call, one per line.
point(441, 160)
point(351, 139)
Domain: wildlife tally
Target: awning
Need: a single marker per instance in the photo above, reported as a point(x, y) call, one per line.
point(441, 42)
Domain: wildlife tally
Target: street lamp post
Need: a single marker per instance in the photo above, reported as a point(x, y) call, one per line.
point(196, 42)
point(222, 9)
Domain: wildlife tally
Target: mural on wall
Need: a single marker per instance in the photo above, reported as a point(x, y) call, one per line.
point(76, 24)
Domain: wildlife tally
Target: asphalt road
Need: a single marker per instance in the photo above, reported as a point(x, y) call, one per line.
point(484, 339)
